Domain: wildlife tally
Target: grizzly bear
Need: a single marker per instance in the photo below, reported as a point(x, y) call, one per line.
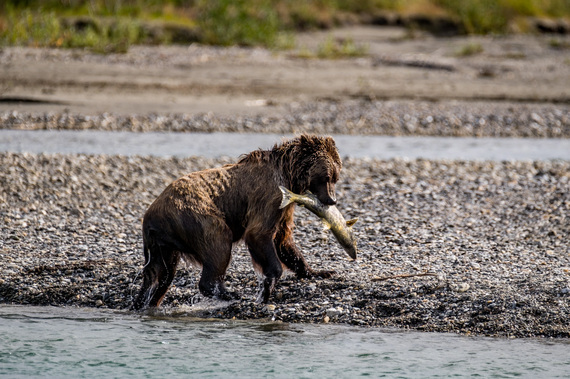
point(200, 215)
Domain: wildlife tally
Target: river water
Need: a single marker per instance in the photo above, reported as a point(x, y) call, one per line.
point(212, 145)
point(75, 342)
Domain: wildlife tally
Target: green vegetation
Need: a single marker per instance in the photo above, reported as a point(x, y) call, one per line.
point(559, 44)
point(469, 50)
point(226, 22)
point(494, 16)
point(112, 26)
point(46, 29)
point(332, 48)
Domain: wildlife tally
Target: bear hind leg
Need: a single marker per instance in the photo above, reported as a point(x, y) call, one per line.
point(264, 255)
point(158, 273)
point(214, 265)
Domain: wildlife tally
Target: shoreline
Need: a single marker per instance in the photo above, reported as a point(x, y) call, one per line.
point(443, 118)
point(404, 85)
point(495, 233)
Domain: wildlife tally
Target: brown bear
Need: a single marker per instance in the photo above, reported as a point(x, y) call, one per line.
point(200, 215)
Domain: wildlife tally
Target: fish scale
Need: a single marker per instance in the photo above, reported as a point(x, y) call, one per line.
point(330, 215)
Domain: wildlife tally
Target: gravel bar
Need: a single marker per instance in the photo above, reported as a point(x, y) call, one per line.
point(469, 247)
point(329, 116)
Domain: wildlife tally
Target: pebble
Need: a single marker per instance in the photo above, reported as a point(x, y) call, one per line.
point(495, 234)
point(365, 117)
point(333, 312)
point(461, 287)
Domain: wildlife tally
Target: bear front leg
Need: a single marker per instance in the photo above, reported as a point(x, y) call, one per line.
point(291, 256)
point(263, 254)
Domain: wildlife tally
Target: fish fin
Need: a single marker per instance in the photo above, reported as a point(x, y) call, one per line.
point(349, 223)
point(287, 197)
point(326, 224)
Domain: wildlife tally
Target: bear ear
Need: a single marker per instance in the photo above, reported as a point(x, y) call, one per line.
point(329, 141)
point(308, 144)
point(305, 139)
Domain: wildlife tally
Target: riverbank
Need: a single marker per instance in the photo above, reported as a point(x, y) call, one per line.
point(494, 234)
point(509, 86)
point(350, 117)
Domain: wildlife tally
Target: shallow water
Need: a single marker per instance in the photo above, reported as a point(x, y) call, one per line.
point(213, 145)
point(75, 342)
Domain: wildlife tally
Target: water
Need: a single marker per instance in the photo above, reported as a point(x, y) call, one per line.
point(74, 342)
point(233, 144)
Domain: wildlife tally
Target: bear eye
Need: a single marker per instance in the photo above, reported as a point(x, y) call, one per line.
point(332, 178)
point(335, 176)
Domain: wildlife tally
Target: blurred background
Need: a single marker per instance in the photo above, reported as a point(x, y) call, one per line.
point(112, 26)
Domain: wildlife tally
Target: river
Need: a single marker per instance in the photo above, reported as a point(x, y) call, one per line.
point(75, 342)
point(212, 145)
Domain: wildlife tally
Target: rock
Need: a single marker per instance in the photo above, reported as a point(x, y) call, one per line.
point(461, 287)
point(333, 312)
point(493, 232)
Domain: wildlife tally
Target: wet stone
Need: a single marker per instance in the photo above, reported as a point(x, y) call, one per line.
point(495, 235)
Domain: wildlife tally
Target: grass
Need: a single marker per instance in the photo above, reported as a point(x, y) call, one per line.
point(495, 16)
point(559, 44)
point(112, 26)
point(225, 22)
point(332, 48)
point(103, 35)
point(469, 49)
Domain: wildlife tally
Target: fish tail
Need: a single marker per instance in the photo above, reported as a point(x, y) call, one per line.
point(287, 197)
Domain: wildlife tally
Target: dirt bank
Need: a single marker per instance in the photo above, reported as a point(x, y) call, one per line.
point(240, 81)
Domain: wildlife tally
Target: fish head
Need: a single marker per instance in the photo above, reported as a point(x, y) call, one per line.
point(350, 245)
point(351, 250)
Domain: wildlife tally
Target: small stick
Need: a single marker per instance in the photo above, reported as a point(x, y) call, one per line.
point(402, 276)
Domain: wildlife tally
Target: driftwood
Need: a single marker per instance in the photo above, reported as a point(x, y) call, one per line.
point(377, 279)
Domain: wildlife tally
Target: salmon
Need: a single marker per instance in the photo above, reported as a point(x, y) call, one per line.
point(331, 216)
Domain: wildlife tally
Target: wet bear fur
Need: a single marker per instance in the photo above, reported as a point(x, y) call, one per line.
point(200, 215)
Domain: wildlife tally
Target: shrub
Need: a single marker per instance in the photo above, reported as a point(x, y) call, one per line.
point(242, 22)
